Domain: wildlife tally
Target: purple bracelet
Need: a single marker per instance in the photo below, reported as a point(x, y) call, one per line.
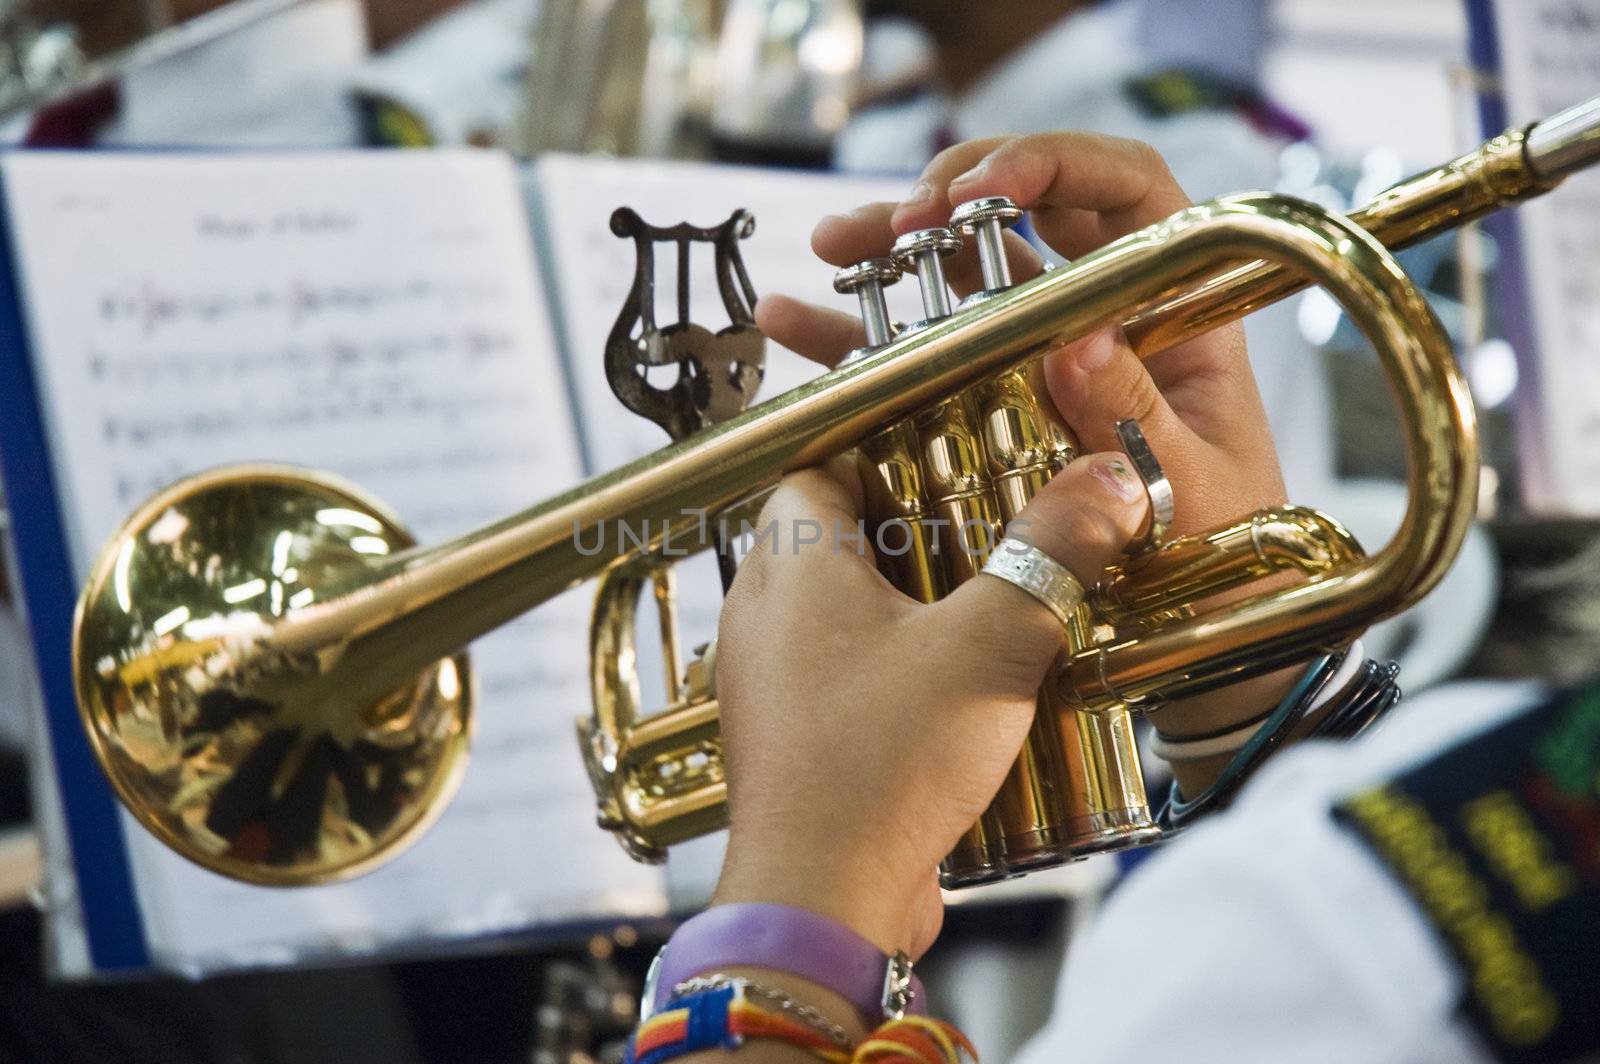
point(791, 940)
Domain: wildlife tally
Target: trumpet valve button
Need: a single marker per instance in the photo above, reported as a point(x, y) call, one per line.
point(966, 217)
point(923, 252)
point(911, 248)
point(868, 280)
point(881, 272)
point(985, 220)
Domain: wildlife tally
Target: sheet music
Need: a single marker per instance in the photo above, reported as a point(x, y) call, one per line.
point(1550, 60)
point(381, 316)
point(578, 194)
point(596, 267)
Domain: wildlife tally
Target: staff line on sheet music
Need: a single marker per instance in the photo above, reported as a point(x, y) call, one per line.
point(332, 357)
point(130, 427)
point(151, 308)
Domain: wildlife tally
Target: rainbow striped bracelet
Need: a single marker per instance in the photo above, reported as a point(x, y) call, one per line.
point(721, 1019)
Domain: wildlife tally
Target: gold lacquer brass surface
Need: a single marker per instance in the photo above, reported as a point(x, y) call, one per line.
point(657, 780)
point(966, 522)
point(270, 671)
point(969, 458)
point(1077, 787)
point(272, 782)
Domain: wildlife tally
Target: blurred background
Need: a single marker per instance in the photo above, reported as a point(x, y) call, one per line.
point(1333, 102)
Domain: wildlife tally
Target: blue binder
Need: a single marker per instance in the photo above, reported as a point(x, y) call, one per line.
point(47, 594)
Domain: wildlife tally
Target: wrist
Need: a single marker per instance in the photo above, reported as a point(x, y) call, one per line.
point(832, 1006)
point(1218, 711)
point(849, 895)
point(810, 1019)
point(1227, 707)
point(1338, 696)
point(737, 938)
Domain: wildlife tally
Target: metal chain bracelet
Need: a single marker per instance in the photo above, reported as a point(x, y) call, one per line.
point(772, 996)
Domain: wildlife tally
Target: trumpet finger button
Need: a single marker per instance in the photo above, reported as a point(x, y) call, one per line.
point(922, 253)
point(868, 280)
point(986, 221)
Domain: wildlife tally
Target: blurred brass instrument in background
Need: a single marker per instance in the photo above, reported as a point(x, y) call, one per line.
point(44, 61)
point(687, 78)
point(692, 78)
point(307, 747)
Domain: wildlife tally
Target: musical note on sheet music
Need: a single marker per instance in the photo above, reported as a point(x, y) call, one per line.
point(150, 307)
point(380, 316)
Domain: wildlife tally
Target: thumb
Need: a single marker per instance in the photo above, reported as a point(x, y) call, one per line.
point(1084, 519)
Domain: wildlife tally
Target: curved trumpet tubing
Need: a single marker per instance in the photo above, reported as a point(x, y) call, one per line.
point(308, 747)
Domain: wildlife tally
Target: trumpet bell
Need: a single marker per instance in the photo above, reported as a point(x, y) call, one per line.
point(247, 771)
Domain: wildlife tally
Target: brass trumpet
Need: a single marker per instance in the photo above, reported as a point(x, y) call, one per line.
point(306, 748)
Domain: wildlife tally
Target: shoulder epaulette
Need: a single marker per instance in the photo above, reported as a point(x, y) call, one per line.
point(1497, 841)
point(1166, 93)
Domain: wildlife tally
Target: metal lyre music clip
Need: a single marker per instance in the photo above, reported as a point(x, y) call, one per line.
point(718, 373)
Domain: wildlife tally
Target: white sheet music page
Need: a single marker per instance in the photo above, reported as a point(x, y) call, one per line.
point(1550, 60)
point(597, 267)
point(593, 279)
point(380, 316)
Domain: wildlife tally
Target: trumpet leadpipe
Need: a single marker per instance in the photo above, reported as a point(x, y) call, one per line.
point(1516, 166)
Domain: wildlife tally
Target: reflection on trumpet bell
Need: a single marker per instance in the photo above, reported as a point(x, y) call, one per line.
point(227, 743)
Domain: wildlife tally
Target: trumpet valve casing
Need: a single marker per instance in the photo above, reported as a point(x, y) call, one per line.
point(1077, 787)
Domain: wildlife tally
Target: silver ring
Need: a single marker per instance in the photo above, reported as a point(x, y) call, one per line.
point(1024, 566)
point(1156, 485)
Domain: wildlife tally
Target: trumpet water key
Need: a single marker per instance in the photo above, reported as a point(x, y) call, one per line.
point(305, 747)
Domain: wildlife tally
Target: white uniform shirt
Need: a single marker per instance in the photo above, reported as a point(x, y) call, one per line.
point(1271, 933)
point(464, 75)
point(1074, 76)
point(279, 83)
point(293, 80)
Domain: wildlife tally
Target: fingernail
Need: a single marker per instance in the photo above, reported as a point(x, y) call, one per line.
point(1116, 474)
point(920, 192)
point(976, 173)
point(1096, 352)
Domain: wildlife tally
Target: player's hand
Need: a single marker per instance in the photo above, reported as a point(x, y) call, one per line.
point(864, 732)
point(1197, 403)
